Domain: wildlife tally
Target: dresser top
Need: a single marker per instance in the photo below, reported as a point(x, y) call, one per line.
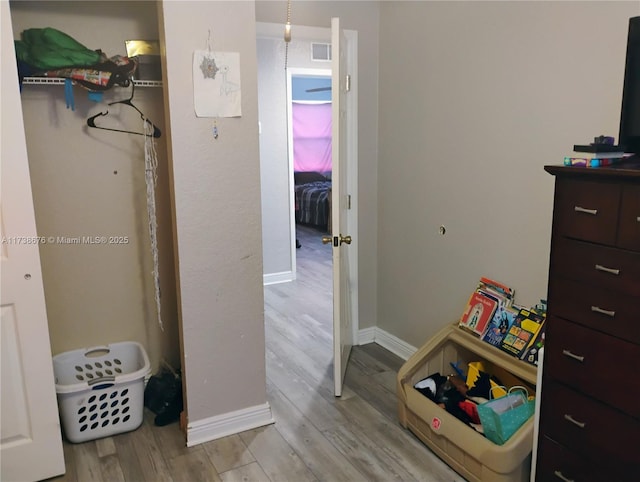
point(627, 169)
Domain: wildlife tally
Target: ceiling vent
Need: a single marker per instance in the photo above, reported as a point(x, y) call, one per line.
point(320, 52)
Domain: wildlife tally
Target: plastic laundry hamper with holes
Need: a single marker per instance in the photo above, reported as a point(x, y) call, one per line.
point(101, 390)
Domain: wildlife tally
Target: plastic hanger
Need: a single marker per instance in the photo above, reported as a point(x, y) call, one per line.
point(91, 121)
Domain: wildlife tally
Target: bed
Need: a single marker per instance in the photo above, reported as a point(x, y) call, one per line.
point(312, 196)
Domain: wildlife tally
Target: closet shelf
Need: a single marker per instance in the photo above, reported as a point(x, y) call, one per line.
point(60, 81)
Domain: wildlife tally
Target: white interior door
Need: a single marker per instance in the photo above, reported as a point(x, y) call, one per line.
point(340, 203)
point(30, 438)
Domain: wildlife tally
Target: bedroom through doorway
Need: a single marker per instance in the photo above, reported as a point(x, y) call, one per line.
point(309, 133)
point(298, 292)
point(300, 334)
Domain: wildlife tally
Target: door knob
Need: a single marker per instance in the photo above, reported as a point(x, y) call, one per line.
point(343, 239)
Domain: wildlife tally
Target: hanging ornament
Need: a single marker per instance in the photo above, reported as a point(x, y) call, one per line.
point(209, 68)
point(208, 64)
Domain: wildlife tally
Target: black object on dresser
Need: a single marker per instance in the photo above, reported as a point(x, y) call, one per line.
point(590, 402)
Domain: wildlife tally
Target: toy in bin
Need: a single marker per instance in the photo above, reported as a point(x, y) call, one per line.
point(100, 390)
point(477, 377)
point(503, 416)
point(450, 393)
point(461, 397)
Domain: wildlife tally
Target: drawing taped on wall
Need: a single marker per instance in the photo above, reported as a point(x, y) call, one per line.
point(216, 84)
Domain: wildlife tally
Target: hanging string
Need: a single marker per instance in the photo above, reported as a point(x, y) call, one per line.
point(287, 35)
point(208, 64)
point(151, 177)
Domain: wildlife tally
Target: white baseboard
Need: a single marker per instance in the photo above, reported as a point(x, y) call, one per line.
point(367, 335)
point(213, 428)
point(386, 340)
point(231, 423)
point(275, 278)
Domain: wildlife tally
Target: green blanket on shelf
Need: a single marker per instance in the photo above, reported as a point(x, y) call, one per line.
point(48, 48)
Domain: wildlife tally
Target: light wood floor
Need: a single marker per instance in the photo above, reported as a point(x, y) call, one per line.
point(316, 437)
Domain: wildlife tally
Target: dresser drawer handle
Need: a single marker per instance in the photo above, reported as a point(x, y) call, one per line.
point(599, 267)
point(579, 209)
point(559, 474)
point(580, 358)
point(610, 313)
point(569, 418)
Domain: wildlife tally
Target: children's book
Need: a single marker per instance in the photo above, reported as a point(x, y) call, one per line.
point(478, 313)
point(531, 353)
point(504, 293)
point(524, 329)
point(502, 320)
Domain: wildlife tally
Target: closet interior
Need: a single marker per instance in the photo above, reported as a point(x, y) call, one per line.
point(90, 189)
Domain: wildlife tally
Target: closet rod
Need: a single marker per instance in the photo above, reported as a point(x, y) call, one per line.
point(60, 81)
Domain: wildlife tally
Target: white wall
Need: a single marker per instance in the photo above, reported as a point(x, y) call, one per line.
point(216, 197)
point(475, 98)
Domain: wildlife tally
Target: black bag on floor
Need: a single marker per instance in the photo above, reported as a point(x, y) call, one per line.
point(163, 396)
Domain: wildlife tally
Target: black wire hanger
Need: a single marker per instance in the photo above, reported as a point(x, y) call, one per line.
point(91, 121)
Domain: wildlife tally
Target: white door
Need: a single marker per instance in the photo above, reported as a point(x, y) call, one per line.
point(30, 438)
point(340, 201)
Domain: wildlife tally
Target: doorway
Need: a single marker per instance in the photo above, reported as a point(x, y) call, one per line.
point(278, 206)
point(276, 155)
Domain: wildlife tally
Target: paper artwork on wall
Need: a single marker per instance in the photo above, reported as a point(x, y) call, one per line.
point(216, 84)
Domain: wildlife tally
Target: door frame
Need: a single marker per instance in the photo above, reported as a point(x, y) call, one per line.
point(322, 34)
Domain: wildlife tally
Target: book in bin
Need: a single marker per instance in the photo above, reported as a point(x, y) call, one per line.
point(478, 312)
point(503, 293)
point(522, 332)
point(502, 320)
point(531, 354)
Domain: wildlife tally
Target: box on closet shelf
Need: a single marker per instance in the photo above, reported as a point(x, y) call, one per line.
point(147, 52)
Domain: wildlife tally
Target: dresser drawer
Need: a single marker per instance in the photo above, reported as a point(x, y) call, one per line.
point(587, 210)
point(604, 310)
point(596, 364)
point(629, 228)
point(557, 463)
point(609, 268)
point(589, 427)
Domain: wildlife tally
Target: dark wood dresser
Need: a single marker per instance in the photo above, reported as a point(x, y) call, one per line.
point(590, 403)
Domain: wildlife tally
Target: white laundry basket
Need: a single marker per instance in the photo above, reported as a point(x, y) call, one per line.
point(101, 390)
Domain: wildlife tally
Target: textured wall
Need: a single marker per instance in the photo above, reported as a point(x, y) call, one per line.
point(216, 193)
point(475, 98)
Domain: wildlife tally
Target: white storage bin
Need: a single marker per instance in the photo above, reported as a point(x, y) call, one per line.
point(100, 390)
